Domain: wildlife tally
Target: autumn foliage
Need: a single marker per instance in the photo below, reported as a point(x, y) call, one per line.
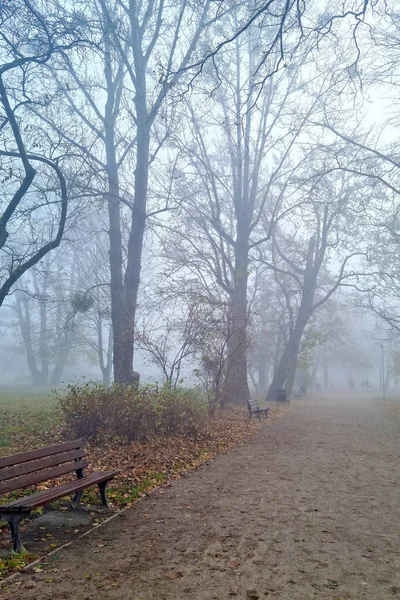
point(126, 414)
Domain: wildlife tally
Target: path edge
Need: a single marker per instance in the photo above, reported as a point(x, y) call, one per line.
point(70, 543)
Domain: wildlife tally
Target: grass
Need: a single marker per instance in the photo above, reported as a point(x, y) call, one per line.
point(14, 562)
point(28, 416)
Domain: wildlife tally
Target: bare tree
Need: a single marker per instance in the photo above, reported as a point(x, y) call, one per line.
point(143, 33)
point(175, 336)
point(32, 221)
point(300, 261)
point(43, 305)
point(232, 182)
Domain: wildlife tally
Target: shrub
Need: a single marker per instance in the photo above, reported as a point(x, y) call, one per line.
point(126, 414)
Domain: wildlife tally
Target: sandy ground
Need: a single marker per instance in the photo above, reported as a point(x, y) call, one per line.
point(309, 508)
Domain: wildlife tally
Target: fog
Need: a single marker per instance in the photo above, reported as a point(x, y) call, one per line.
point(200, 194)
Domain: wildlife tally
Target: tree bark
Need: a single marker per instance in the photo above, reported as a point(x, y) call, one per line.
point(56, 376)
point(43, 332)
point(125, 297)
point(287, 366)
point(105, 365)
point(124, 373)
point(286, 370)
point(236, 387)
point(114, 229)
point(108, 365)
point(24, 320)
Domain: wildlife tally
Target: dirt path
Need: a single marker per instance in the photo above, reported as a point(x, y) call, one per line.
point(310, 508)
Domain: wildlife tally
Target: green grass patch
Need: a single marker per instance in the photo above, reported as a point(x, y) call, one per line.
point(125, 495)
point(9, 563)
point(29, 418)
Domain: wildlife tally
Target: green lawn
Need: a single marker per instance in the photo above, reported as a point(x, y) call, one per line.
point(29, 418)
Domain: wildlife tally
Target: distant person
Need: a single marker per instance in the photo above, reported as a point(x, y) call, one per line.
point(352, 384)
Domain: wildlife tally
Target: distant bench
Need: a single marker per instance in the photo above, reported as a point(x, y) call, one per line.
point(22, 470)
point(254, 409)
point(281, 397)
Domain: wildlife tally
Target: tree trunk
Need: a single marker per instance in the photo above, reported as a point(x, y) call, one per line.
point(288, 363)
point(236, 388)
point(56, 377)
point(43, 346)
point(124, 299)
point(107, 370)
point(114, 229)
point(116, 287)
point(277, 354)
point(105, 365)
point(280, 373)
point(41, 295)
point(291, 371)
point(115, 238)
point(124, 373)
point(24, 320)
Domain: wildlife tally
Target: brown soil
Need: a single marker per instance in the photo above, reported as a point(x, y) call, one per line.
point(308, 508)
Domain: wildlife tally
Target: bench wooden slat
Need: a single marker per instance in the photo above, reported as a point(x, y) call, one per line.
point(16, 459)
point(59, 491)
point(42, 463)
point(254, 409)
point(255, 406)
point(38, 477)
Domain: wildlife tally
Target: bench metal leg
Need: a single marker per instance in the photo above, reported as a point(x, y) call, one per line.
point(14, 520)
point(78, 494)
point(103, 493)
point(77, 497)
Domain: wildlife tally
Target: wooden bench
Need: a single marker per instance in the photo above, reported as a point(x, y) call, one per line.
point(254, 409)
point(29, 468)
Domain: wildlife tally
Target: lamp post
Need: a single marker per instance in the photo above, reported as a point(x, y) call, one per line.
point(383, 372)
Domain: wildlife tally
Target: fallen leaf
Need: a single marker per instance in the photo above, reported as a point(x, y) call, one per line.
point(233, 564)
